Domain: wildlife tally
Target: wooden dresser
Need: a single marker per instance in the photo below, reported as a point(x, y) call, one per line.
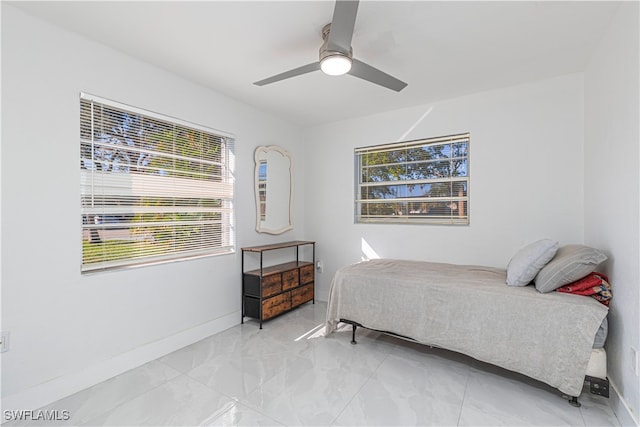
point(270, 291)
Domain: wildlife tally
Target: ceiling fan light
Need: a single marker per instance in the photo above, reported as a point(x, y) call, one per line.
point(335, 65)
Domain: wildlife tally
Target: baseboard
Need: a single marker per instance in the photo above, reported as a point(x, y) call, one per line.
point(621, 408)
point(61, 387)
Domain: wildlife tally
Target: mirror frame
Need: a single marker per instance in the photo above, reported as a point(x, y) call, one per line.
point(264, 150)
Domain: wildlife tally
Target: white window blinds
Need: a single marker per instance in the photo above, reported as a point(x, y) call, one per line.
point(425, 181)
point(153, 188)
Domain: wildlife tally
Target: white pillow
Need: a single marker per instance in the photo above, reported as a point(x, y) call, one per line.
point(528, 261)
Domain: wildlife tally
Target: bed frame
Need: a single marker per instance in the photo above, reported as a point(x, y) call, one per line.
point(598, 386)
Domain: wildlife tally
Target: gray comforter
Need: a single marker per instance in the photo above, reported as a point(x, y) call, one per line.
point(470, 309)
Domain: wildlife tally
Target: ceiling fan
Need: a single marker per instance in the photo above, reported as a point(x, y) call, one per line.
point(336, 54)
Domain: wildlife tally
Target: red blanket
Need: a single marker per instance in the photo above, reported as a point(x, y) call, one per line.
point(595, 285)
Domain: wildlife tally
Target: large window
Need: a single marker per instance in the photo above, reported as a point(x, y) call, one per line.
point(153, 188)
point(425, 181)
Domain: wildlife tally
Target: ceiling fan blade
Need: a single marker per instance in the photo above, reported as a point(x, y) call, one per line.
point(367, 72)
point(314, 66)
point(344, 20)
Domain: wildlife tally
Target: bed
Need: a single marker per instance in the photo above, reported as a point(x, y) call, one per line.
point(469, 309)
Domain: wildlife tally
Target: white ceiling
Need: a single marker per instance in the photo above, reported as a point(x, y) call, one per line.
point(441, 49)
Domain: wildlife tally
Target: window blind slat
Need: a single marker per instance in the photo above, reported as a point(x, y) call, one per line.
point(108, 145)
point(150, 114)
point(442, 140)
point(108, 210)
point(152, 186)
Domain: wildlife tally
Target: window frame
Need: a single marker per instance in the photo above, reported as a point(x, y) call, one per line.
point(199, 215)
point(408, 216)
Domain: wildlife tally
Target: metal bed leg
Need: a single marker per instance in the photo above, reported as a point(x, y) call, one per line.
point(574, 402)
point(353, 334)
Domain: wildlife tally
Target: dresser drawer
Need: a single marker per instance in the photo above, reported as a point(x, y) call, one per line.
point(301, 295)
point(289, 279)
point(271, 285)
point(306, 274)
point(275, 305)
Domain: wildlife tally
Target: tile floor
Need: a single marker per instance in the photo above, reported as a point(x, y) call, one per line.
point(289, 374)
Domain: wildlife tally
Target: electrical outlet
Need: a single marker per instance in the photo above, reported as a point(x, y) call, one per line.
point(635, 363)
point(319, 266)
point(4, 342)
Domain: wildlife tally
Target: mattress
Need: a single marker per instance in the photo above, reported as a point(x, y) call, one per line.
point(601, 335)
point(597, 366)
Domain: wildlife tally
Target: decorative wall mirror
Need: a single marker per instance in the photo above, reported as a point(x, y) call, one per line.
point(274, 190)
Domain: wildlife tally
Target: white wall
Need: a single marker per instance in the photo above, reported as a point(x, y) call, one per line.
point(612, 189)
point(69, 330)
point(526, 173)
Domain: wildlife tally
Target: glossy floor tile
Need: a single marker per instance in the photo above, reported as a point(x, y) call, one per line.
point(290, 374)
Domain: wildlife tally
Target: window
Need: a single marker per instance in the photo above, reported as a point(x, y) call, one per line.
point(153, 188)
point(425, 181)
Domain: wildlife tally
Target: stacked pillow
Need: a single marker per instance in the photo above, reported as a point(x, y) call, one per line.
point(552, 266)
point(571, 263)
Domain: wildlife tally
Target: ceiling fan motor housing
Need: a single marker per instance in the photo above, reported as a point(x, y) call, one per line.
point(325, 52)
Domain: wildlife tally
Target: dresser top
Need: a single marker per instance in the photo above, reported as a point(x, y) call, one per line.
point(273, 246)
